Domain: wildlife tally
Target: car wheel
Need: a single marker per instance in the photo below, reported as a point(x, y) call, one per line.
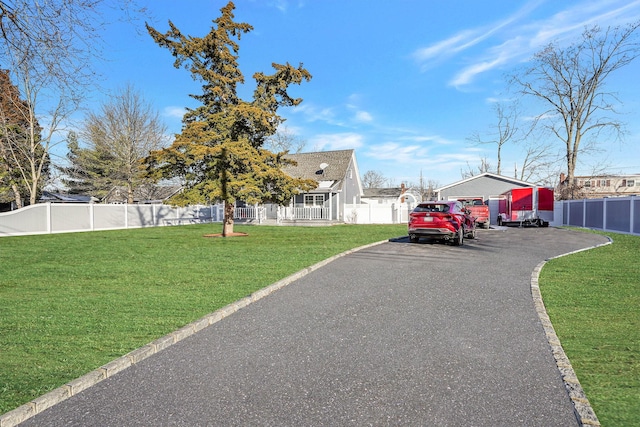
point(472, 234)
point(459, 239)
point(413, 238)
point(486, 225)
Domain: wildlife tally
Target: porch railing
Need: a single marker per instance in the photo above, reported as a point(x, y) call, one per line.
point(305, 213)
point(251, 213)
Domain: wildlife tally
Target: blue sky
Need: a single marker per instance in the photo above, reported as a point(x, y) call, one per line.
point(405, 83)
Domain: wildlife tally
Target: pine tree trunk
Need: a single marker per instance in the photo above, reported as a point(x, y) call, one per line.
point(227, 227)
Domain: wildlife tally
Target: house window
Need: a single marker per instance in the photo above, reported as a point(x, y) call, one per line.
point(587, 184)
point(631, 183)
point(314, 199)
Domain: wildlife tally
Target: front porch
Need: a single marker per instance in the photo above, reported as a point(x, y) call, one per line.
point(284, 215)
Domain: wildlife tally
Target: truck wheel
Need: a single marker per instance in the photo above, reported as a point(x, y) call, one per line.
point(459, 239)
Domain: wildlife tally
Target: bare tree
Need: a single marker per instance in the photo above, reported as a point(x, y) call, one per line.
point(570, 82)
point(484, 167)
point(122, 133)
point(538, 164)
point(504, 131)
point(14, 147)
point(426, 187)
point(48, 46)
point(373, 179)
point(285, 140)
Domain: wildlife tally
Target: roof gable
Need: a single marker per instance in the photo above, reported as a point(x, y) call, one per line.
point(329, 168)
point(310, 165)
point(490, 176)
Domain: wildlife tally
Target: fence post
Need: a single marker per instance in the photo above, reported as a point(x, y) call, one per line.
point(91, 222)
point(126, 216)
point(604, 213)
point(49, 220)
point(631, 213)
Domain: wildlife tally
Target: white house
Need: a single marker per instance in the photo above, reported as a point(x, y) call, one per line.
point(338, 180)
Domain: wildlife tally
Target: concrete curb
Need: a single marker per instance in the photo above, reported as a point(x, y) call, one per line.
point(581, 406)
point(39, 404)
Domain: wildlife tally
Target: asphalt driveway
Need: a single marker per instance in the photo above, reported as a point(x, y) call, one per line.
point(395, 334)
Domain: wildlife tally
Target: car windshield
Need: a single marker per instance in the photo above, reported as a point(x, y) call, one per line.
point(434, 207)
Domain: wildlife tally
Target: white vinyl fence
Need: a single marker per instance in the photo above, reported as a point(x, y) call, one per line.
point(48, 218)
point(617, 214)
point(377, 213)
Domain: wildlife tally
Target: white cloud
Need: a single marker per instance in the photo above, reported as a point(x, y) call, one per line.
point(363, 116)
point(174, 112)
point(471, 37)
point(396, 152)
point(515, 39)
point(569, 23)
point(467, 75)
point(444, 47)
point(313, 113)
point(436, 139)
point(336, 141)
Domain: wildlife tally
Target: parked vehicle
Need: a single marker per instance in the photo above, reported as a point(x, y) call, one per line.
point(479, 210)
point(442, 220)
point(529, 206)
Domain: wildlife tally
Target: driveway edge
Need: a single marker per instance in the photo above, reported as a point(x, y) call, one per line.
point(55, 396)
point(585, 414)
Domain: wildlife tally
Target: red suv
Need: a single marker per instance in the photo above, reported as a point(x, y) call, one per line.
point(443, 220)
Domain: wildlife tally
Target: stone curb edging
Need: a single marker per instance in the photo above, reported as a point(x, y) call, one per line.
point(39, 404)
point(581, 406)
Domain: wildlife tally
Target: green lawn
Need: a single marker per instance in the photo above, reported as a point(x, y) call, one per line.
point(73, 302)
point(593, 300)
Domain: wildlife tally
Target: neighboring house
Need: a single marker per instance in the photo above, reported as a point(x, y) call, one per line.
point(48, 196)
point(484, 185)
point(382, 196)
point(338, 184)
point(390, 196)
point(145, 194)
point(595, 187)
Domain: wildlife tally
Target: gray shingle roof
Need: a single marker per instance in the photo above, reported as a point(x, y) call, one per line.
point(382, 192)
point(308, 166)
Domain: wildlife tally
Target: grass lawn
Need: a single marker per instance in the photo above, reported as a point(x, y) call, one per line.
point(70, 303)
point(593, 300)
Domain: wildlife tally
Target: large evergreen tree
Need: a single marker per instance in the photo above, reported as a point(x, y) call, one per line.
point(219, 154)
point(87, 169)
